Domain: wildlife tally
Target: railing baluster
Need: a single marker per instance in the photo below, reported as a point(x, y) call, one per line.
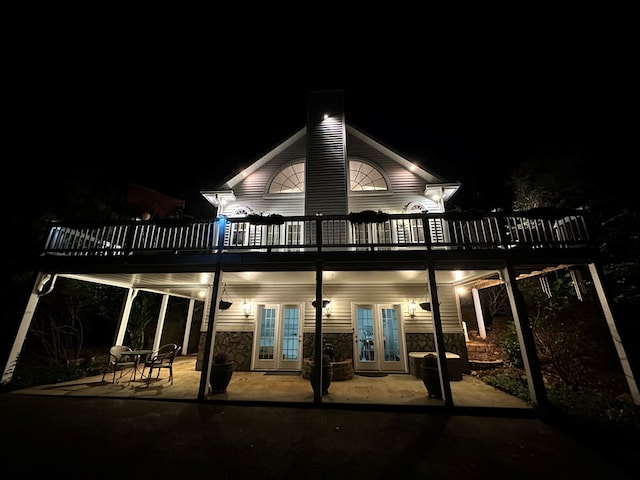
point(315, 233)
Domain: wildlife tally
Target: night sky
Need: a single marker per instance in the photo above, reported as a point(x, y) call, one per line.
point(179, 120)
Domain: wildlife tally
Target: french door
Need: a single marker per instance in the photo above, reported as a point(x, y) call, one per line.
point(378, 339)
point(278, 343)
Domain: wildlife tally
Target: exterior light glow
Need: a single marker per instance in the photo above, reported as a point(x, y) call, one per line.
point(412, 308)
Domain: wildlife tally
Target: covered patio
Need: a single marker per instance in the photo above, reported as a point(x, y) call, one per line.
point(393, 390)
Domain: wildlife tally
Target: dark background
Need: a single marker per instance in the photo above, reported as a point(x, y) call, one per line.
point(176, 107)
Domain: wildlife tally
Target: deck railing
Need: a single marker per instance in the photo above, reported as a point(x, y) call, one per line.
point(446, 231)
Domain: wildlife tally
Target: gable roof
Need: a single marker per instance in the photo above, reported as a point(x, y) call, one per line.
point(432, 179)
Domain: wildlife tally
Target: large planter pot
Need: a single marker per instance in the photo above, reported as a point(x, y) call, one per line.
point(327, 376)
point(431, 376)
point(220, 377)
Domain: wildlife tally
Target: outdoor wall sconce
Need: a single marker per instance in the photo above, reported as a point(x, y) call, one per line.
point(246, 309)
point(326, 310)
point(412, 309)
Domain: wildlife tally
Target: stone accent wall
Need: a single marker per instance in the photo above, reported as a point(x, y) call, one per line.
point(342, 345)
point(237, 344)
point(453, 342)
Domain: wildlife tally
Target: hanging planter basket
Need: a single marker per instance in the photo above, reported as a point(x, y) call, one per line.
point(426, 306)
point(368, 216)
point(324, 303)
point(273, 219)
point(225, 304)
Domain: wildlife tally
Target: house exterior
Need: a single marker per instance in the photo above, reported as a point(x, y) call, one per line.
point(329, 239)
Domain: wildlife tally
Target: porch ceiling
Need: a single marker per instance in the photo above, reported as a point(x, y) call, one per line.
point(194, 284)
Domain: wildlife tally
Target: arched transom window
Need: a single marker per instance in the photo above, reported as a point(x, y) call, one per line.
point(415, 207)
point(363, 177)
point(289, 180)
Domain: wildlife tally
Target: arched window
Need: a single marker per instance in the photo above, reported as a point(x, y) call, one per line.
point(364, 177)
point(289, 180)
point(415, 207)
point(241, 212)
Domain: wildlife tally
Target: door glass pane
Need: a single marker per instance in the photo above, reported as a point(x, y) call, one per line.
point(366, 351)
point(267, 334)
point(294, 233)
point(290, 350)
point(417, 230)
point(361, 233)
point(239, 233)
point(384, 232)
point(390, 335)
point(273, 235)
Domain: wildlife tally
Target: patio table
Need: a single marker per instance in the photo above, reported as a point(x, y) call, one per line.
point(139, 357)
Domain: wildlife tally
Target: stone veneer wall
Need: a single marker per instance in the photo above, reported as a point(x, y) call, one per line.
point(416, 342)
point(453, 342)
point(237, 344)
point(342, 345)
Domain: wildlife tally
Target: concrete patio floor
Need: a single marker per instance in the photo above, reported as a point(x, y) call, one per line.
point(401, 390)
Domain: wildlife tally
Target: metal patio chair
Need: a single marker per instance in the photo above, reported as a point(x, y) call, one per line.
point(163, 358)
point(119, 361)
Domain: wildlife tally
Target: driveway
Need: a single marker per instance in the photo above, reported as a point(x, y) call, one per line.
point(106, 438)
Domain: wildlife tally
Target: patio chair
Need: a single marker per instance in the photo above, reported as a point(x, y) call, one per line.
point(119, 361)
point(163, 358)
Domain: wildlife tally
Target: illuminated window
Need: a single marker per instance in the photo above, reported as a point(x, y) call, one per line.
point(415, 207)
point(241, 212)
point(364, 177)
point(289, 180)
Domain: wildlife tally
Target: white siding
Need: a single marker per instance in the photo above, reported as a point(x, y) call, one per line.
point(342, 297)
point(406, 187)
point(251, 191)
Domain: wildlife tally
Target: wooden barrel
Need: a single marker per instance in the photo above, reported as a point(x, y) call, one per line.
point(341, 370)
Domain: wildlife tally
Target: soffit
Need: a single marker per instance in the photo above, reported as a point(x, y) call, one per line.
point(194, 284)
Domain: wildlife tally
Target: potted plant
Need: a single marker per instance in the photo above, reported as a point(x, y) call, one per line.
point(368, 216)
point(221, 372)
point(273, 219)
point(431, 375)
point(327, 374)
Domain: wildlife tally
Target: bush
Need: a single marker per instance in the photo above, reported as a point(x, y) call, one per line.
point(508, 380)
point(511, 347)
point(221, 357)
point(31, 373)
point(577, 407)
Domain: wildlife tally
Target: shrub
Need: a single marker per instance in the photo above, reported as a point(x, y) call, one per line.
point(221, 357)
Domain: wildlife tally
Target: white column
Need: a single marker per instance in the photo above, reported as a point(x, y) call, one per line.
point(126, 313)
point(479, 317)
point(18, 342)
point(617, 341)
point(187, 328)
point(161, 316)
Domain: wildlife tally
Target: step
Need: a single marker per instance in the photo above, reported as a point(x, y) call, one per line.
point(479, 348)
point(485, 364)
